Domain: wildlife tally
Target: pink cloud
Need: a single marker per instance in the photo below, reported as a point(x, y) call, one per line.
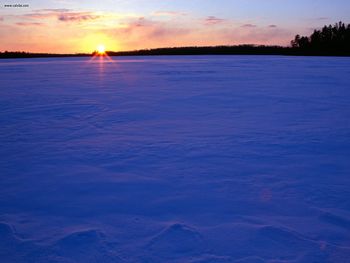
point(29, 24)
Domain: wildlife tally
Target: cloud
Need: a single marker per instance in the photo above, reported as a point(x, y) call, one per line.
point(66, 15)
point(249, 25)
point(63, 15)
point(272, 26)
point(213, 20)
point(29, 24)
point(77, 17)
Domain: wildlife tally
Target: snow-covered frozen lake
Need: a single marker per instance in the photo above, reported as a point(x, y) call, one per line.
point(175, 159)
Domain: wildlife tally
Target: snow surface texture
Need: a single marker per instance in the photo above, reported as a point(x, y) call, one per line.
point(175, 159)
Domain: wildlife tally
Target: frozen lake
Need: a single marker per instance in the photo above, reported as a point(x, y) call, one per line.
point(216, 159)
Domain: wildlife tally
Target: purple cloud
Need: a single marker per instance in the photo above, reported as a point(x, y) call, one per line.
point(72, 17)
point(213, 20)
point(61, 14)
point(249, 25)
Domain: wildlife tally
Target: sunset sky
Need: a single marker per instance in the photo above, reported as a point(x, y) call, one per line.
point(63, 26)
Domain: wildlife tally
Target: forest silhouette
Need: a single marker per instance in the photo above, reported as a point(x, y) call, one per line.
point(331, 40)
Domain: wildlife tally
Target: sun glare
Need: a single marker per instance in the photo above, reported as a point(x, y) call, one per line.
point(101, 50)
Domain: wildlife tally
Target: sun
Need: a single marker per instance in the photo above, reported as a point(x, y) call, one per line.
point(101, 50)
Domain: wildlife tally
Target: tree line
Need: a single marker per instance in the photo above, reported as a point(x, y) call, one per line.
point(330, 39)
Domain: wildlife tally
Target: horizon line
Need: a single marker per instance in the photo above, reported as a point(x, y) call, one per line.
point(149, 49)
